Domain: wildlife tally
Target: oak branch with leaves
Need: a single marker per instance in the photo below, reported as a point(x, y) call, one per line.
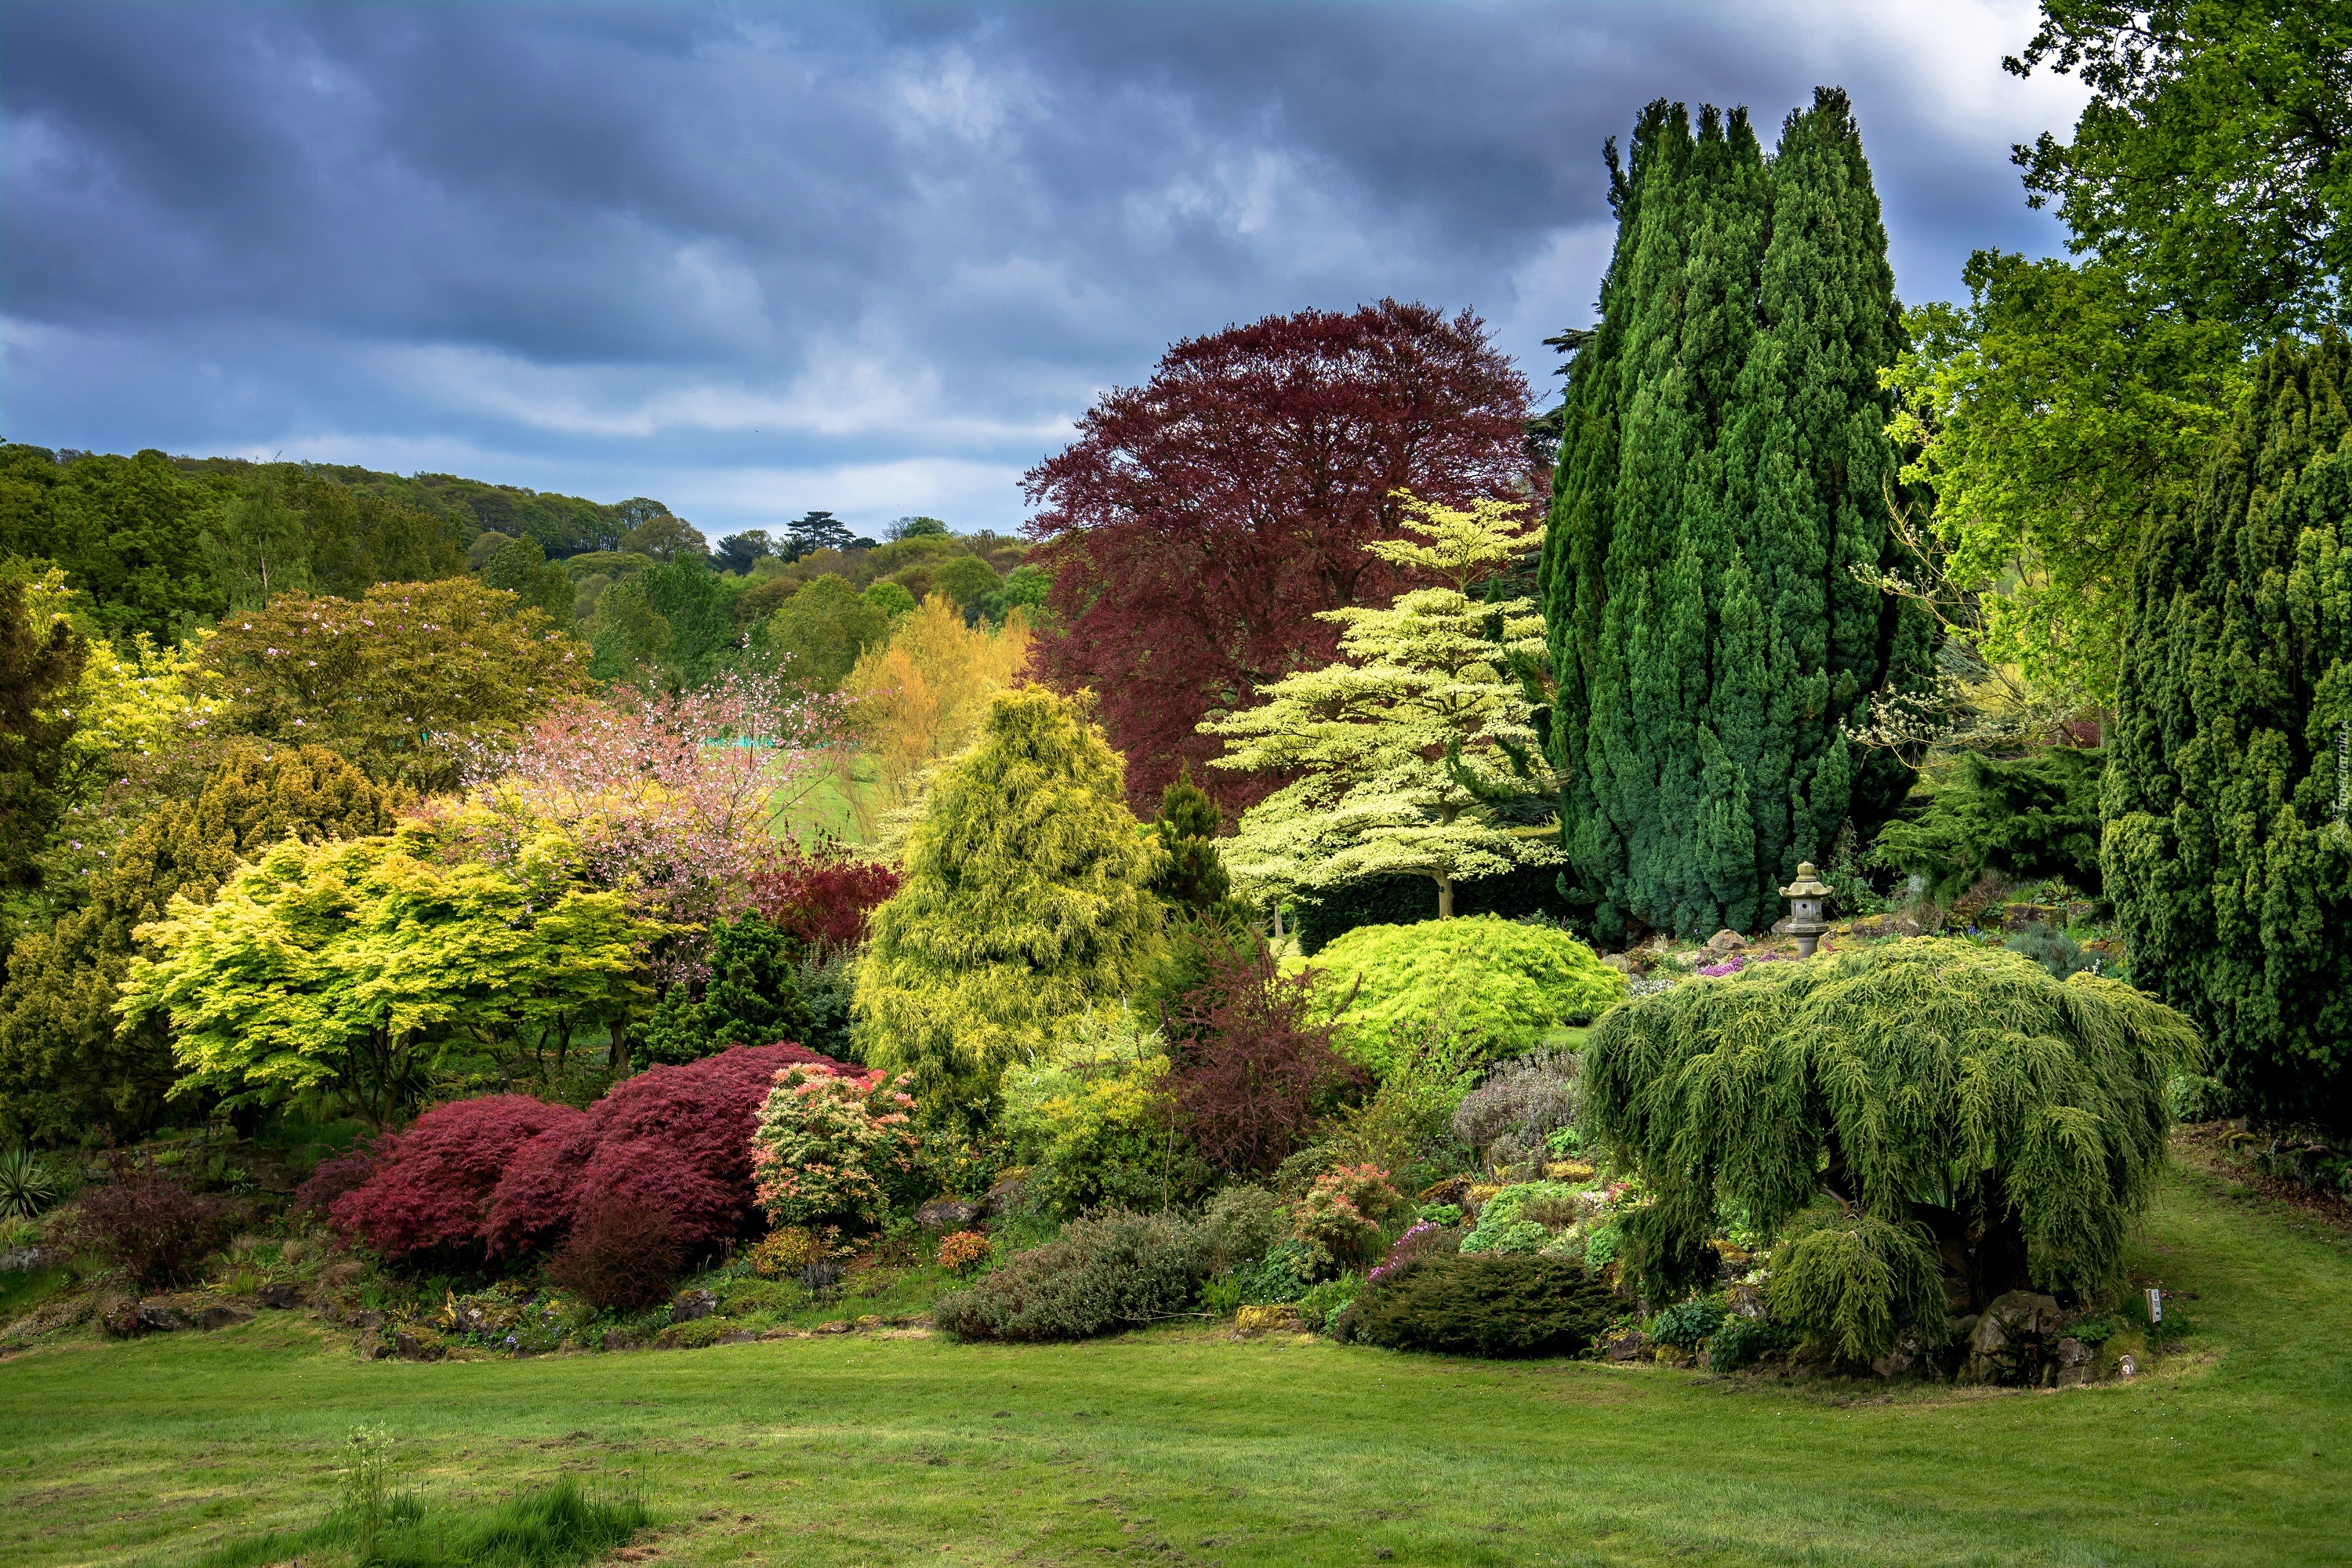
point(1406, 749)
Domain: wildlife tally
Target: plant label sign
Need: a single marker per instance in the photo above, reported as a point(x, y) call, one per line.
point(2156, 1306)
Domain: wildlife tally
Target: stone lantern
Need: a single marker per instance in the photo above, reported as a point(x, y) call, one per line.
point(1805, 895)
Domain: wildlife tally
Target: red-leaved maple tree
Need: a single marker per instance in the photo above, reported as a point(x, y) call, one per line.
point(1198, 523)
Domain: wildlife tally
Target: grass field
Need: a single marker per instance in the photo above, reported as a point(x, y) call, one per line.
point(1180, 1447)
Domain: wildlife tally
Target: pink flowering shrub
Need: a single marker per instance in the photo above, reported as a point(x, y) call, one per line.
point(1342, 1214)
point(824, 1143)
point(676, 1139)
point(431, 1185)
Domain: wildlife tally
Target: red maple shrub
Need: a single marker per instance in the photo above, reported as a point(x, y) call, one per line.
point(431, 1185)
point(1199, 522)
point(331, 1179)
point(149, 1225)
point(622, 1255)
point(676, 1139)
point(821, 899)
point(1258, 1071)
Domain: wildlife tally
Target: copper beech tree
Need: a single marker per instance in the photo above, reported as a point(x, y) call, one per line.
point(1199, 523)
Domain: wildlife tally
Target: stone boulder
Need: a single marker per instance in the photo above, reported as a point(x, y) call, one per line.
point(1726, 941)
point(221, 1316)
point(1276, 1319)
point(24, 1260)
point(411, 1346)
point(2074, 1363)
point(160, 1317)
point(119, 1316)
point(2012, 1340)
point(691, 1305)
point(947, 1213)
point(1003, 1197)
point(1630, 1345)
point(280, 1296)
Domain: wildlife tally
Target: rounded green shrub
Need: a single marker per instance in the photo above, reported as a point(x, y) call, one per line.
point(1491, 981)
point(1482, 1306)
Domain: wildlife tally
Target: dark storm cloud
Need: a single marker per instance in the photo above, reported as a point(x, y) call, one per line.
point(754, 259)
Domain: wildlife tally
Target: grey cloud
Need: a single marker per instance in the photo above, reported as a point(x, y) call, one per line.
point(670, 244)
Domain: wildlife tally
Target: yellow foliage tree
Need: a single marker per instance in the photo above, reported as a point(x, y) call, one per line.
point(920, 698)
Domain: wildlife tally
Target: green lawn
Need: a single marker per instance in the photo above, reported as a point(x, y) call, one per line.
point(1181, 1447)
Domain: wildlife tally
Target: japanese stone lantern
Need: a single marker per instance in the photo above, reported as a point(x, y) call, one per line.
point(1805, 895)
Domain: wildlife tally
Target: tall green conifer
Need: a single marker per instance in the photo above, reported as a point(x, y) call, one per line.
point(1721, 478)
point(2228, 851)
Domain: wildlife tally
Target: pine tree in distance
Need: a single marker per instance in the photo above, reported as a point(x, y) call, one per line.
point(1407, 751)
point(1719, 522)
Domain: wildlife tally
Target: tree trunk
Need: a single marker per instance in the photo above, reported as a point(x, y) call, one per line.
point(1446, 898)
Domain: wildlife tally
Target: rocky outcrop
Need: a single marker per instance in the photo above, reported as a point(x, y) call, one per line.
point(691, 1305)
point(2013, 1341)
point(947, 1213)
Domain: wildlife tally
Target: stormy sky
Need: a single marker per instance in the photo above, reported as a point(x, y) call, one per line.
point(752, 259)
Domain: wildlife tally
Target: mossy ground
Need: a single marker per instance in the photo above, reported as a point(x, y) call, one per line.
point(1180, 1445)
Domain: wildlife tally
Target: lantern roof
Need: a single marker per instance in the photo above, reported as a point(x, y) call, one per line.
point(1806, 884)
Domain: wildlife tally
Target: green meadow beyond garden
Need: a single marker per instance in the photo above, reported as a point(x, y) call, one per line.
point(1743, 969)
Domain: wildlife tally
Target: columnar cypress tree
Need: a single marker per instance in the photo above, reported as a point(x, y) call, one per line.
point(1721, 478)
point(2227, 847)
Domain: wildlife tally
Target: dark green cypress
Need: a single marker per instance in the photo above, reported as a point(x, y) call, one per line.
point(1718, 499)
point(2227, 848)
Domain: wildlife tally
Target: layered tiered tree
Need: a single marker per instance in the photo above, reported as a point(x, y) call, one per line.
point(2227, 848)
point(1719, 519)
point(1403, 756)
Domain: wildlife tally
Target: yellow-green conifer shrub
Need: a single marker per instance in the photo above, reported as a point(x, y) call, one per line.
point(1959, 1104)
point(1491, 983)
point(1026, 900)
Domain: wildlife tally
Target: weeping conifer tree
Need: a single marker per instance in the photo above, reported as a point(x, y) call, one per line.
point(2227, 849)
point(1718, 520)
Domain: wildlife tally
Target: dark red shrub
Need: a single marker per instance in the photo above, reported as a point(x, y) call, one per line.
point(1196, 525)
point(823, 899)
point(622, 1255)
point(149, 1225)
point(431, 1185)
point(1257, 1069)
point(332, 1178)
point(677, 1137)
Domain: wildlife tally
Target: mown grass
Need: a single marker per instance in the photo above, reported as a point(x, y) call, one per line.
point(1178, 1446)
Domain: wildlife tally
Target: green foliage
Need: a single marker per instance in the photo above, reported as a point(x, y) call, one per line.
point(1116, 1270)
point(1523, 1217)
point(408, 682)
point(1324, 917)
point(1324, 1302)
point(1493, 984)
point(749, 997)
point(1239, 1223)
point(1742, 1342)
point(2058, 416)
point(1403, 756)
point(128, 532)
point(1191, 875)
point(66, 1068)
point(1023, 905)
point(340, 972)
point(1687, 1325)
point(27, 1186)
point(1521, 1108)
point(2198, 1096)
point(890, 600)
point(2228, 853)
point(2052, 949)
point(1852, 1281)
point(1286, 1272)
point(1092, 1119)
point(1025, 589)
point(521, 568)
point(1914, 1080)
point(966, 579)
point(825, 627)
point(41, 661)
point(1482, 1306)
point(2027, 818)
point(627, 637)
point(554, 1525)
point(1720, 504)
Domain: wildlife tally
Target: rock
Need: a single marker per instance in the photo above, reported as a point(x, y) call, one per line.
point(409, 1347)
point(838, 1326)
point(1003, 1197)
point(279, 1297)
point(374, 1347)
point(738, 1337)
point(1275, 1318)
point(2074, 1363)
point(2128, 1366)
point(1625, 963)
point(1899, 1360)
point(155, 1315)
point(1725, 940)
point(693, 1304)
point(24, 1260)
point(946, 1214)
point(868, 1323)
point(119, 1316)
point(2018, 917)
point(2007, 1345)
point(367, 1322)
point(1745, 1301)
point(222, 1316)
